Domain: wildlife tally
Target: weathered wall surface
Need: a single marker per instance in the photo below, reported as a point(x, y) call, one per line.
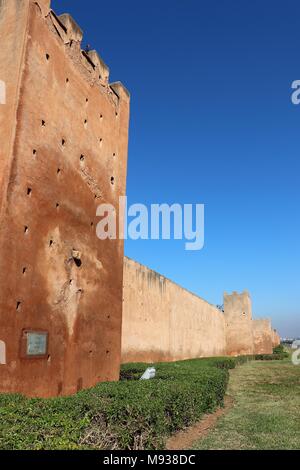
point(64, 134)
point(238, 318)
point(262, 336)
point(163, 322)
point(275, 338)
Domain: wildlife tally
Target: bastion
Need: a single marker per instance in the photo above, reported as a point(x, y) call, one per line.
point(64, 135)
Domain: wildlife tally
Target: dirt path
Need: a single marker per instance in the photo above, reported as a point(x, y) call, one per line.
point(185, 439)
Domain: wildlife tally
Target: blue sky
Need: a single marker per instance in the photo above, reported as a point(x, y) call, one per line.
point(212, 122)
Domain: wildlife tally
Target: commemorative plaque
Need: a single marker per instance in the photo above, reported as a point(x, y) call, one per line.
point(36, 343)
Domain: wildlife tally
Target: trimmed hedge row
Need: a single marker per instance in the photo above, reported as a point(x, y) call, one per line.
point(279, 354)
point(130, 414)
point(271, 357)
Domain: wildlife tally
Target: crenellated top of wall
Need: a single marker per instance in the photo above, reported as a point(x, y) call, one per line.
point(88, 61)
point(238, 306)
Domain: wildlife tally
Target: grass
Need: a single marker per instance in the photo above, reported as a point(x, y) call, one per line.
point(130, 414)
point(134, 414)
point(266, 414)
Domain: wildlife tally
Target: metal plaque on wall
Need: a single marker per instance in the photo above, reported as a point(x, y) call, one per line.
point(36, 343)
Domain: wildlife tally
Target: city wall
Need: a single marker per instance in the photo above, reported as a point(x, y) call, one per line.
point(64, 132)
point(263, 336)
point(64, 139)
point(164, 322)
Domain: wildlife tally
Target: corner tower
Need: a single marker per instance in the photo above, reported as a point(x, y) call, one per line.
point(238, 323)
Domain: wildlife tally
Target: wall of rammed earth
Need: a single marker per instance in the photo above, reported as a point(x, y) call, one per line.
point(164, 322)
point(64, 137)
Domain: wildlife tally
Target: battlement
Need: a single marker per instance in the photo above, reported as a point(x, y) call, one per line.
point(71, 35)
point(237, 305)
point(70, 28)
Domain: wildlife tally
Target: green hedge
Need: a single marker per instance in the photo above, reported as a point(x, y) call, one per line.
point(129, 414)
point(279, 354)
point(271, 357)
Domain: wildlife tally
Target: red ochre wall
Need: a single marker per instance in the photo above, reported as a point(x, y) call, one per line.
point(164, 322)
point(275, 338)
point(263, 336)
point(239, 324)
point(64, 133)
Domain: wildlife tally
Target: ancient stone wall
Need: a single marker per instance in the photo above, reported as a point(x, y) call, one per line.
point(64, 133)
point(275, 338)
point(164, 322)
point(262, 336)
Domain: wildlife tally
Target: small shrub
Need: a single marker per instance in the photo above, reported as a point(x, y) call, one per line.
point(271, 357)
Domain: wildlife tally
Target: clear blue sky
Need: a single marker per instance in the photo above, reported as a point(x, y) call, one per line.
point(212, 122)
